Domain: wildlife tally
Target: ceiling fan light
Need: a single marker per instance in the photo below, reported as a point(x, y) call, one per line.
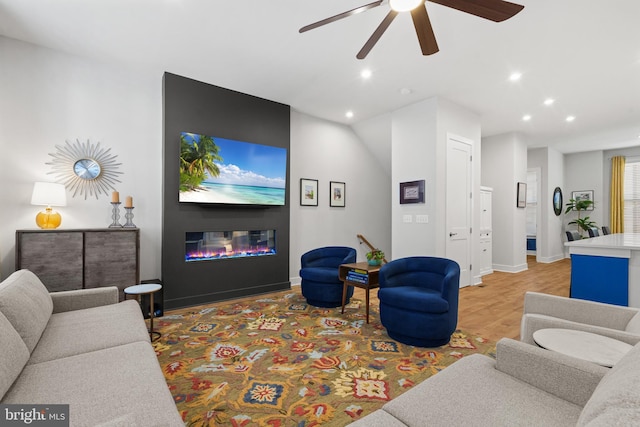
point(404, 5)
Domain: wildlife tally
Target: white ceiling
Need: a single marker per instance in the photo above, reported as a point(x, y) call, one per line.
point(584, 54)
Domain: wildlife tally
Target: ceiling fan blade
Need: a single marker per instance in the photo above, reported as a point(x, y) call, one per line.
point(494, 10)
point(340, 16)
point(376, 34)
point(424, 30)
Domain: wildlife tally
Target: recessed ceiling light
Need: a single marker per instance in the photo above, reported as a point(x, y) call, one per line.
point(526, 117)
point(549, 101)
point(366, 73)
point(514, 77)
point(570, 118)
point(405, 91)
point(349, 114)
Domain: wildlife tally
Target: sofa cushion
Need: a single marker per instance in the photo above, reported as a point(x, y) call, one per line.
point(81, 331)
point(121, 386)
point(26, 303)
point(321, 274)
point(473, 392)
point(615, 399)
point(13, 354)
point(414, 298)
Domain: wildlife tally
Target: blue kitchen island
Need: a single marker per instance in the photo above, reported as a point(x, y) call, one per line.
point(606, 269)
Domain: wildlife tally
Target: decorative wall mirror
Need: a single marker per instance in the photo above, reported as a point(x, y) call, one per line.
point(85, 168)
point(557, 201)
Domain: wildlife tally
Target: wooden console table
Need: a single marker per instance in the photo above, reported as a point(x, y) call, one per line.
point(371, 272)
point(67, 259)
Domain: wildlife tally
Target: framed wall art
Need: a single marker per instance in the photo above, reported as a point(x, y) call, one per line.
point(583, 195)
point(337, 194)
point(412, 192)
point(522, 195)
point(308, 192)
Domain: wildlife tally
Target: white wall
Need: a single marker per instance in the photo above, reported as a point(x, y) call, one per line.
point(327, 151)
point(413, 158)
point(49, 97)
point(584, 171)
point(553, 250)
point(550, 238)
point(504, 164)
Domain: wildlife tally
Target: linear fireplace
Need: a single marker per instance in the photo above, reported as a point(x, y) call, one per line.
point(215, 245)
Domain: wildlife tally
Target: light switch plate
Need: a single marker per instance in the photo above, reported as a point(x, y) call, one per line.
point(407, 218)
point(422, 219)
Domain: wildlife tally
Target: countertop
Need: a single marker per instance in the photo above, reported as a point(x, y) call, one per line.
point(629, 241)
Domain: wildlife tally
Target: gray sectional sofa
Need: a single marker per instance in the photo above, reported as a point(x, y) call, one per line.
point(524, 386)
point(82, 348)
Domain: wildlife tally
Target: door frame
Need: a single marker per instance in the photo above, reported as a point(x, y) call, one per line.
point(471, 240)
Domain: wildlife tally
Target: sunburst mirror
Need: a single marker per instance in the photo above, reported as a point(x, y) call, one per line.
point(85, 168)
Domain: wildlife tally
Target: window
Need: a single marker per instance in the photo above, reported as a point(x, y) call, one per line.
point(632, 195)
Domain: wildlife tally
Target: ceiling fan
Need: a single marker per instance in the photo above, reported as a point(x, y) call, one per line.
point(494, 10)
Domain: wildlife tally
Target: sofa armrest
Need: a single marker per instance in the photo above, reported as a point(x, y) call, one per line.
point(580, 311)
point(534, 322)
point(84, 298)
point(564, 376)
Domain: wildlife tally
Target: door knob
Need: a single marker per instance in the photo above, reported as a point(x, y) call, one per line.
point(453, 234)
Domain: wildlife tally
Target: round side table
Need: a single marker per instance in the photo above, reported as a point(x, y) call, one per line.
point(144, 289)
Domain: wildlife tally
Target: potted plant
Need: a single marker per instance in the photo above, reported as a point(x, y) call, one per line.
point(583, 224)
point(375, 257)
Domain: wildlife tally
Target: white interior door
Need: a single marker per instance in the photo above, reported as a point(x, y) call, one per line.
point(458, 205)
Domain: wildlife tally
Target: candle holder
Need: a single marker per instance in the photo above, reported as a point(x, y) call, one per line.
point(115, 215)
point(129, 217)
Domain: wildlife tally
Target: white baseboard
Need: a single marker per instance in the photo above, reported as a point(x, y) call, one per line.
point(510, 268)
point(549, 260)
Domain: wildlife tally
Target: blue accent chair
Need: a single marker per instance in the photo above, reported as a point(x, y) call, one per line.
point(320, 283)
point(419, 300)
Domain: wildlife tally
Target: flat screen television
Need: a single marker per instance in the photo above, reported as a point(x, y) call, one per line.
point(224, 171)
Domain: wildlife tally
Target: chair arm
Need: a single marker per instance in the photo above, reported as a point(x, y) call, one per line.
point(580, 311)
point(84, 298)
point(533, 322)
point(563, 376)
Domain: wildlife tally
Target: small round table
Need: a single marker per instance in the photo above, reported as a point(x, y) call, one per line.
point(594, 348)
point(144, 289)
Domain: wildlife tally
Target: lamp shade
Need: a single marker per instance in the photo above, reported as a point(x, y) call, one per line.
point(48, 194)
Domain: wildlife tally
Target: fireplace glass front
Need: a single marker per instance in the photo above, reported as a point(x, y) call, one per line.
point(214, 245)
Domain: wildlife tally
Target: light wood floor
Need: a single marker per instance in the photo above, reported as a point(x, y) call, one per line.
point(494, 308)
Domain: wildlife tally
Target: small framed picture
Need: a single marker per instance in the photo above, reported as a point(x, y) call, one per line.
point(412, 192)
point(522, 195)
point(337, 194)
point(583, 195)
point(308, 192)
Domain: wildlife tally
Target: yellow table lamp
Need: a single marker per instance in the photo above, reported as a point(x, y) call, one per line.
point(48, 194)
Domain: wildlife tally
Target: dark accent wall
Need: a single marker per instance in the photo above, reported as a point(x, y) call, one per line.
point(193, 106)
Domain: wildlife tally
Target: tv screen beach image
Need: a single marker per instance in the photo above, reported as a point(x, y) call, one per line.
point(219, 170)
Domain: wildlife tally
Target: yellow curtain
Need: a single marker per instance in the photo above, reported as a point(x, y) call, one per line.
point(617, 194)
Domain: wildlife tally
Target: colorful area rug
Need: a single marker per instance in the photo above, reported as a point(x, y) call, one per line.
point(281, 362)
